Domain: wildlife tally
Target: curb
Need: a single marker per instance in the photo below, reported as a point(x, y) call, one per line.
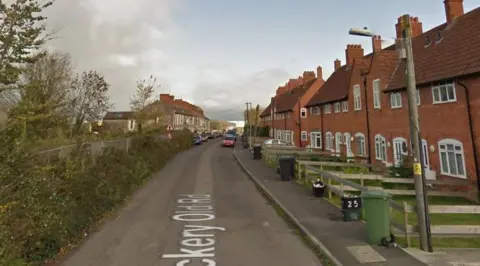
point(290, 216)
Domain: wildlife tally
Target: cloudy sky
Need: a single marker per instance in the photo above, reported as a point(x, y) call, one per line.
point(220, 54)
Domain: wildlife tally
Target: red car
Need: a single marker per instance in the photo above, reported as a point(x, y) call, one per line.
point(228, 141)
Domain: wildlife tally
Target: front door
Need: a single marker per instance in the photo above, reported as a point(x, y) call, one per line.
point(338, 142)
point(348, 144)
point(399, 145)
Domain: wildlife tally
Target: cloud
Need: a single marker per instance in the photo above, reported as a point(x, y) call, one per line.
point(121, 39)
point(232, 94)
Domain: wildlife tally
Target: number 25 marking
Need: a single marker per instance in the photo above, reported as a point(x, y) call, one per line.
point(355, 204)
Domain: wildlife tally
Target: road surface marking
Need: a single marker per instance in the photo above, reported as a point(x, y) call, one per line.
point(198, 241)
point(365, 254)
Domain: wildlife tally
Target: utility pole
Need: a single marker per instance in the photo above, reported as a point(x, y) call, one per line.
point(418, 164)
point(250, 127)
point(247, 111)
point(245, 117)
point(256, 123)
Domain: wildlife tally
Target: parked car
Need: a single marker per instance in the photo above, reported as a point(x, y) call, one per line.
point(204, 137)
point(228, 141)
point(210, 135)
point(197, 140)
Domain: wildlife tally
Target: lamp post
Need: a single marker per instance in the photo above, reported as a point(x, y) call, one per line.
point(418, 165)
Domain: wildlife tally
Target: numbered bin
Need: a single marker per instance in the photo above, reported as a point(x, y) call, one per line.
point(377, 216)
point(351, 208)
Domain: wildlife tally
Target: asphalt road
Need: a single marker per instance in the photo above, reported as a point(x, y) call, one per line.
point(201, 209)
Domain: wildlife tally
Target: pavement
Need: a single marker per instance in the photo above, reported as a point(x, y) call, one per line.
point(200, 209)
point(344, 242)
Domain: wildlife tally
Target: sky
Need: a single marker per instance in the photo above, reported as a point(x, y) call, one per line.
point(220, 54)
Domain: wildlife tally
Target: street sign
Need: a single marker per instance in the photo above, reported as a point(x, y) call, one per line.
point(169, 127)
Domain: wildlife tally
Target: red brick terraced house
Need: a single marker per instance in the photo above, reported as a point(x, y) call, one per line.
point(362, 108)
point(286, 113)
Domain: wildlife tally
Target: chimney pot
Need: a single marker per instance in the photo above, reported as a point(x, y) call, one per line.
point(319, 72)
point(337, 64)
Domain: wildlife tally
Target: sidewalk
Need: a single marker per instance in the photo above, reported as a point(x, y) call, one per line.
point(322, 221)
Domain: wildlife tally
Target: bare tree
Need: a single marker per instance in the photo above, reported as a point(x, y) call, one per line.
point(142, 101)
point(22, 33)
point(88, 99)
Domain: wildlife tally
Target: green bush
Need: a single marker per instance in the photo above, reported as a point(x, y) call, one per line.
point(46, 208)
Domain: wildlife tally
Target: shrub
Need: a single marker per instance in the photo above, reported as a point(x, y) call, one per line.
point(44, 208)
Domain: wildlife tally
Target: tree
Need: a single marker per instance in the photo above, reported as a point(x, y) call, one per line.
point(88, 99)
point(142, 101)
point(22, 33)
point(215, 125)
point(43, 90)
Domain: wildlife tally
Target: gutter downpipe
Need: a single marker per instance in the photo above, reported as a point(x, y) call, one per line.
point(369, 157)
point(472, 135)
point(321, 125)
point(300, 125)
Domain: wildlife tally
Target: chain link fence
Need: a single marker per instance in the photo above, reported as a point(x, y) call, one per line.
point(94, 148)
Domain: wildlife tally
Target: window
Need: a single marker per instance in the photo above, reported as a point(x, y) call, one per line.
point(316, 110)
point(380, 148)
point(337, 107)
point(360, 142)
point(328, 141)
point(310, 110)
point(303, 113)
point(418, 97)
point(316, 139)
point(304, 135)
point(376, 94)
point(444, 93)
point(357, 103)
point(396, 100)
point(327, 109)
point(452, 158)
point(345, 106)
point(288, 136)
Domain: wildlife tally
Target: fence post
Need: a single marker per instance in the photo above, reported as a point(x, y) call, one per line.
point(128, 144)
point(329, 188)
point(299, 165)
point(405, 220)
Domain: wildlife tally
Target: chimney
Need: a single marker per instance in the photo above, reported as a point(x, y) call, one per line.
point(291, 84)
point(166, 98)
point(337, 64)
point(300, 80)
point(417, 28)
point(308, 76)
point(353, 52)
point(319, 72)
point(453, 9)
point(376, 43)
point(280, 90)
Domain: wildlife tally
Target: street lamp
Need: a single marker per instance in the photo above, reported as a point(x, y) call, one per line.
point(418, 166)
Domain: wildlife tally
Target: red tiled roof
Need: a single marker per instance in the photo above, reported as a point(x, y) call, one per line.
point(456, 54)
point(267, 111)
point(335, 87)
point(286, 101)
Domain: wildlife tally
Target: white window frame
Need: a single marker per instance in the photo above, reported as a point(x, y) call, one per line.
point(303, 112)
point(304, 136)
point(376, 94)
point(328, 141)
point(327, 109)
point(336, 107)
point(403, 153)
point(380, 146)
point(345, 106)
point(357, 99)
point(360, 143)
point(418, 97)
point(455, 143)
point(288, 136)
point(316, 110)
point(396, 100)
point(314, 135)
point(438, 89)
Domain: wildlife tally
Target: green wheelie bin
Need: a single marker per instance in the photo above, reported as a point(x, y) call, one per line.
point(377, 216)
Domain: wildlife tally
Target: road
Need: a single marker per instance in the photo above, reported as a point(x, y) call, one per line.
point(200, 209)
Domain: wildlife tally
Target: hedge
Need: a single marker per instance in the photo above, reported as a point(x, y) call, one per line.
point(44, 209)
